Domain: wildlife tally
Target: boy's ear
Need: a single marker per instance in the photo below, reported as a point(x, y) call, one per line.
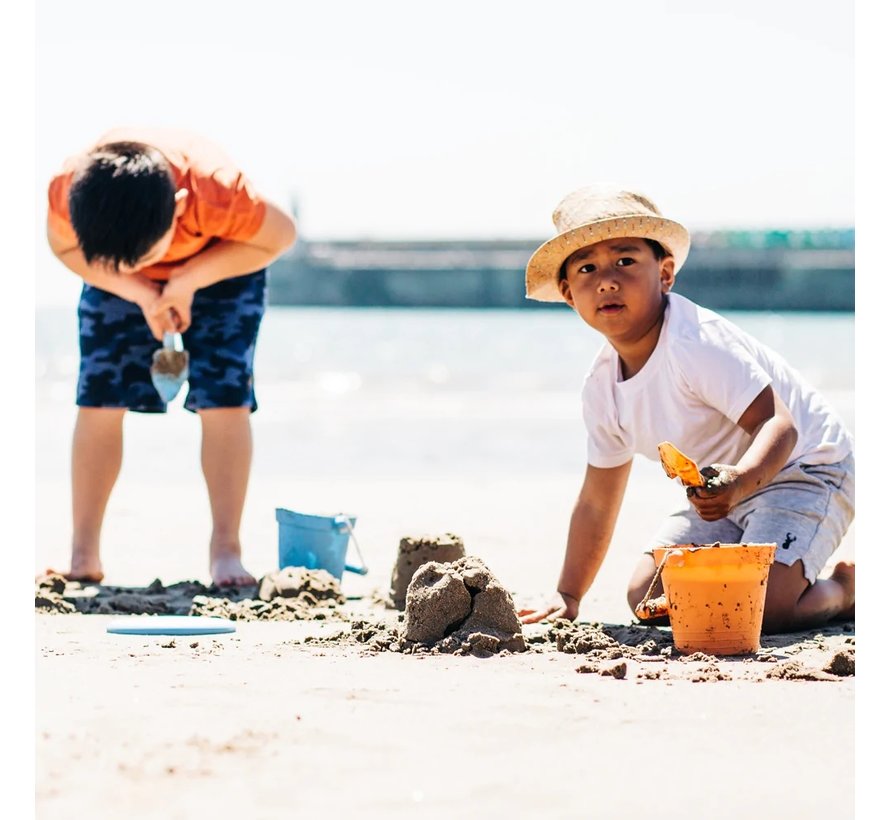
point(180, 198)
point(566, 291)
point(666, 274)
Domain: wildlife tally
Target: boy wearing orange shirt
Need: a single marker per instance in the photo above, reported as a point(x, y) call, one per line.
point(168, 236)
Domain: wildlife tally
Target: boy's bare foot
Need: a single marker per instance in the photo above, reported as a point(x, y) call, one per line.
point(228, 571)
point(83, 569)
point(845, 575)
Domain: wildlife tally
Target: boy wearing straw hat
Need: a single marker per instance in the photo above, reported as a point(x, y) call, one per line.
point(780, 460)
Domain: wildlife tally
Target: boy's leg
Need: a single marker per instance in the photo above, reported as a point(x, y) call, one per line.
point(96, 455)
point(806, 512)
point(221, 342)
point(115, 355)
point(793, 603)
point(226, 448)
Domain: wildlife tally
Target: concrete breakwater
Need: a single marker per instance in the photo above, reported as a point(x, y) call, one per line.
point(742, 270)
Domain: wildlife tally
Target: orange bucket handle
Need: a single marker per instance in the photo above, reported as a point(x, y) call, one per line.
point(650, 608)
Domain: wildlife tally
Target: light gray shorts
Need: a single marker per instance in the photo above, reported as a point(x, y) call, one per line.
point(805, 511)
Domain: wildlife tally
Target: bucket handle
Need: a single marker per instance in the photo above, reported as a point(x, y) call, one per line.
point(640, 608)
point(343, 520)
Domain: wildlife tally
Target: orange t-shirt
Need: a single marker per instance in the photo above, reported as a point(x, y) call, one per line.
point(221, 202)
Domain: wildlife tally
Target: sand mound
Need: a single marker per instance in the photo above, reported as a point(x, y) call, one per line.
point(289, 595)
point(797, 670)
point(461, 606)
point(608, 642)
point(49, 595)
point(311, 586)
point(842, 664)
point(278, 609)
point(414, 552)
point(455, 608)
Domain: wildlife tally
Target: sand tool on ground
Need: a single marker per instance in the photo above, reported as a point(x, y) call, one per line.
point(170, 367)
point(649, 607)
point(677, 465)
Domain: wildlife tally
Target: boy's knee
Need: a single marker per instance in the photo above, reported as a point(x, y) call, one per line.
point(634, 596)
point(784, 589)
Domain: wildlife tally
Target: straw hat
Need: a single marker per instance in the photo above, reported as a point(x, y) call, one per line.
point(590, 215)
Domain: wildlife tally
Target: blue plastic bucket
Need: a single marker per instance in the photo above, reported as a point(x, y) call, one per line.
point(315, 542)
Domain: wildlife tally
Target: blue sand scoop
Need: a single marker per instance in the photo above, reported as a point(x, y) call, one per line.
point(170, 625)
point(169, 367)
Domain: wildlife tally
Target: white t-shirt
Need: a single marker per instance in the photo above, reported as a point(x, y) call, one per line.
point(701, 377)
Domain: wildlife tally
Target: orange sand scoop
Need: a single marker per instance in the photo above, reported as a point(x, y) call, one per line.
point(676, 465)
point(646, 610)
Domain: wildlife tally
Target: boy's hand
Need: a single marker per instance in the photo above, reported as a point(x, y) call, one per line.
point(722, 491)
point(177, 295)
point(158, 323)
point(560, 605)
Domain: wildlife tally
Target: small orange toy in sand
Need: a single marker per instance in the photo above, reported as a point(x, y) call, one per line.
point(651, 608)
point(677, 465)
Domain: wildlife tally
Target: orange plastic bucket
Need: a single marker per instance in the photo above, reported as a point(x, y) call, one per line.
point(715, 595)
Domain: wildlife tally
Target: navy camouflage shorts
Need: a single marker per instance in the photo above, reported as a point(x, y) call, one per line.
point(116, 348)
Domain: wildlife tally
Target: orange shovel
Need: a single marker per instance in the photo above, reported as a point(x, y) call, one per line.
point(677, 465)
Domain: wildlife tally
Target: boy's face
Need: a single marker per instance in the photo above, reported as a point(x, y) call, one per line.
point(617, 287)
point(159, 250)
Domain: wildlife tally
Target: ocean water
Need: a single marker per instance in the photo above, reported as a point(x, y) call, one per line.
point(392, 390)
point(415, 420)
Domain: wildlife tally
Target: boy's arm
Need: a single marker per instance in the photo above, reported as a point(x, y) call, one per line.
point(590, 532)
point(132, 287)
point(225, 260)
point(774, 435)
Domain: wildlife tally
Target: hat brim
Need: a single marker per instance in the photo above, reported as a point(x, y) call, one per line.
point(542, 271)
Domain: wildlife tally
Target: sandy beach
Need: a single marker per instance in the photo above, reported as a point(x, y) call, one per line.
point(257, 725)
point(264, 723)
point(414, 143)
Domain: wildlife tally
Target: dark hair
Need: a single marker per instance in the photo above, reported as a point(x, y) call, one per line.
point(658, 251)
point(121, 202)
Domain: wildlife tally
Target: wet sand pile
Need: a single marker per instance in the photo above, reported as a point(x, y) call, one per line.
point(54, 593)
point(373, 636)
point(607, 647)
point(841, 665)
point(455, 608)
point(49, 595)
point(291, 594)
point(461, 607)
point(607, 641)
point(647, 653)
point(413, 553)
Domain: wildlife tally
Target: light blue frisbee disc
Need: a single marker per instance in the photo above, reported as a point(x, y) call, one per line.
point(170, 625)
